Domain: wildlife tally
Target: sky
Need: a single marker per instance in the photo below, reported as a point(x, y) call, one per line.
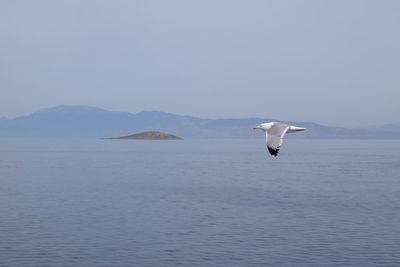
point(333, 62)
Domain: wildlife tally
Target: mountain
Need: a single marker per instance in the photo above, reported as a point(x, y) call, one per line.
point(388, 128)
point(83, 121)
point(65, 121)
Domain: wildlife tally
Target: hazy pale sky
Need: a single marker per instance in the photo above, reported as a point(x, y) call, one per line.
point(332, 62)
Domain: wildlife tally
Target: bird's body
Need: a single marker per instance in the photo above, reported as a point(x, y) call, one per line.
point(274, 132)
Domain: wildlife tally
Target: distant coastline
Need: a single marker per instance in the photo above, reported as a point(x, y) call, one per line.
point(92, 122)
point(151, 135)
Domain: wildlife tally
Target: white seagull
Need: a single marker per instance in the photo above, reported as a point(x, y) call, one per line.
point(274, 132)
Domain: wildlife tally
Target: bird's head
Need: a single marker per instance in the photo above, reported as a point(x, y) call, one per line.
point(263, 126)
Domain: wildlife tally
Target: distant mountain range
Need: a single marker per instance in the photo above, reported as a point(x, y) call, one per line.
point(92, 122)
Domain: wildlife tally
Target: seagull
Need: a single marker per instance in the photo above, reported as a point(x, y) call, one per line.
point(274, 132)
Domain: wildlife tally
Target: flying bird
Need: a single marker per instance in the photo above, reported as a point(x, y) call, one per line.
point(274, 132)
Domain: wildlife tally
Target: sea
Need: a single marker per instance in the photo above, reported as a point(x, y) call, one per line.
point(205, 202)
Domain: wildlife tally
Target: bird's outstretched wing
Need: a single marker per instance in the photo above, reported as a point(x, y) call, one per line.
point(274, 137)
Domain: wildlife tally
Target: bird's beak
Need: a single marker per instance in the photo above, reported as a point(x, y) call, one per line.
point(256, 127)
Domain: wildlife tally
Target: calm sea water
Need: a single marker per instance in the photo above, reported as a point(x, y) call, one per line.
point(199, 203)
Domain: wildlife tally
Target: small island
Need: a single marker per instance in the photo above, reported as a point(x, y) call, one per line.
point(148, 136)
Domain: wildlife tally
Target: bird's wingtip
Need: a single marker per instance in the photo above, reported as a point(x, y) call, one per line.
point(273, 152)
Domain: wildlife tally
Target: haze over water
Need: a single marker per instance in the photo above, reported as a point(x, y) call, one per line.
point(199, 203)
